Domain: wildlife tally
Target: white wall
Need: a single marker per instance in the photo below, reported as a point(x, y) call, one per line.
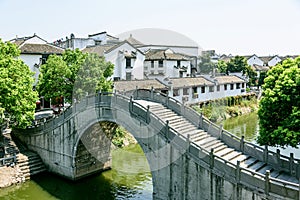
point(274, 61)
point(255, 60)
point(35, 40)
point(168, 69)
point(31, 60)
point(209, 95)
point(190, 51)
point(117, 57)
point(82, 43)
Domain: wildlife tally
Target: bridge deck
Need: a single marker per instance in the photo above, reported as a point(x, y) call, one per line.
point(208, 142)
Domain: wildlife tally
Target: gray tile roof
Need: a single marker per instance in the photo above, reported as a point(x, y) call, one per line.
point(228, 79)
point(133, 41)
point(98, 49)
point(190, 82)
point(160, 54)
point(40, 49)
point(124, 86)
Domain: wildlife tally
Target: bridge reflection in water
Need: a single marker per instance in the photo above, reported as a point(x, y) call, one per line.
point(189, 156)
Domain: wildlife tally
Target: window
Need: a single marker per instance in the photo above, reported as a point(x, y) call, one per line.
point(231, 86)
point(243, 85)
point(178, 63)
point(128, 63)
point(175, 92)
point(160, 63)
point(211, 88)
point(185, 91)
point(203, 89)
point(218, 87)
point(152, 63)
point(128, 76)
point(225, 87)
point(194, 90)
point(180, 74)
point(238, 86)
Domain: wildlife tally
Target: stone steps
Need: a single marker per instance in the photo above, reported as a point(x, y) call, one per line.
point(208, 142)
point(30, 164)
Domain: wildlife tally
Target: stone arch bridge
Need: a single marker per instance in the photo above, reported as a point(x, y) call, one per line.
point(189, 156)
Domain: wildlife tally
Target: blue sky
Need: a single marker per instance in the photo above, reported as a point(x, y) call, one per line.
point(263, 27)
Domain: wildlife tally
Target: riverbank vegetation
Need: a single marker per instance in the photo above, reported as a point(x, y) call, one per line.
point(221, 109)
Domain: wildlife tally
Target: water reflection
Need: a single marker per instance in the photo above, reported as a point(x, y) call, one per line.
point(247, 125)
point(130, 178)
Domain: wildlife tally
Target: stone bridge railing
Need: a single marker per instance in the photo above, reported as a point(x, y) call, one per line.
point(233, 172)
point(217, 165)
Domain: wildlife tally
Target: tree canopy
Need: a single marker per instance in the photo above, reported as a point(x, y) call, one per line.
point(279, 108)
point(73, 75)
point(206, 66)
point(17, 98)
point(238, 64)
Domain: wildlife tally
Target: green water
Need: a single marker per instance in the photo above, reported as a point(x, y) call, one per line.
point(130, 178)
point(246, 125)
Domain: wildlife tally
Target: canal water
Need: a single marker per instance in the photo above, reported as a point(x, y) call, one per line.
point(248, 126)
point(130, 178)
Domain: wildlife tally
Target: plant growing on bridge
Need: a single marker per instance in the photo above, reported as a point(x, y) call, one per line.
point(17, 99)
point(279, 108)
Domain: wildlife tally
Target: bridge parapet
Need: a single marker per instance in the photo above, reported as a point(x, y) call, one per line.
point(107, 107)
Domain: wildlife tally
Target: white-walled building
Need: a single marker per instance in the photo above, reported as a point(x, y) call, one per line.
point(81, 43)
point(35, 51)
point(254, 60)
point(198, 89)
point(128, 61)
point(160, 64)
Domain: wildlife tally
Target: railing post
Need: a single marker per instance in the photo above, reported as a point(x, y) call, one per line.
point(152, 93)
point(137, 94)
point(278, 157)
point(130, 104)
point(211, 158)
point(201, 121)
point(100, 94)
point(266, 154)
point(238, 171)
point(242, 144)
point(267, 182)
point(167, 130)
point(188, 140)
point(167, 99)
point(148, 114)
point(220, 131)
point(291, 163)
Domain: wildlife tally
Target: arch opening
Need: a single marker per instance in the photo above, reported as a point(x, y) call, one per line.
point(97, 150)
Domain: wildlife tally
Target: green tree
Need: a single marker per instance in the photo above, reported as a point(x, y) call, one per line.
point(93, 76)
point(237, 64)
point(222, 66)
point(53, 80)
point(73, 75)
point(279, 108)
point(17, 98)
point(206, 66)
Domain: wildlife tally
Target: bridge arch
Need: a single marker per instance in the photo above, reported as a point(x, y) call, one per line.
point(180, 168)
